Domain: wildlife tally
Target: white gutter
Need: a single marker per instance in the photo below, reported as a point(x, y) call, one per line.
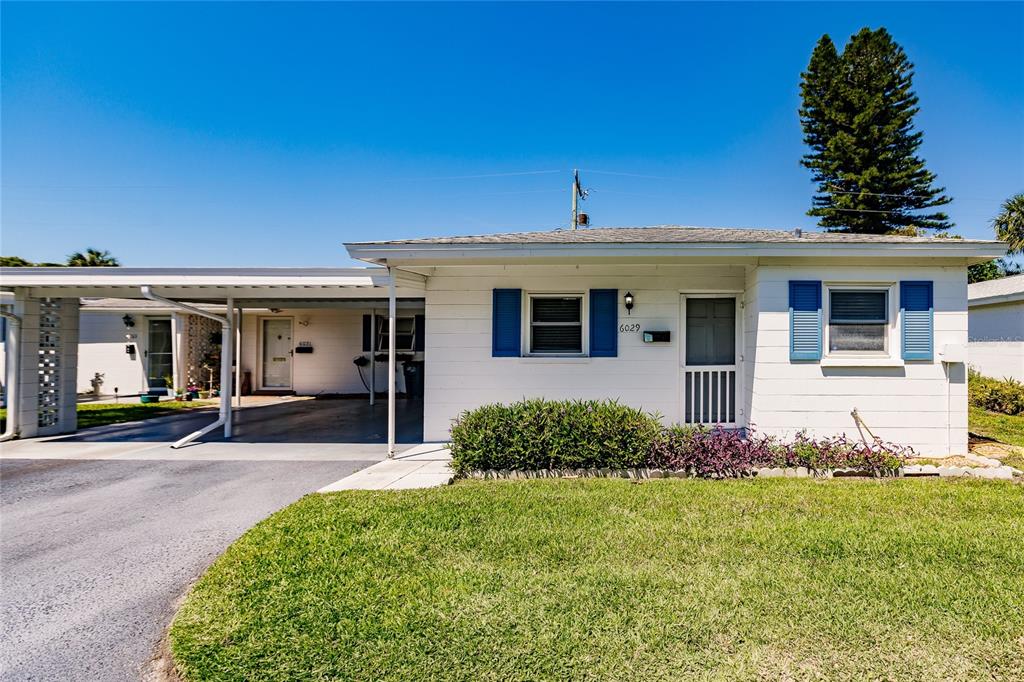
point(226, 356)
point(13, 351)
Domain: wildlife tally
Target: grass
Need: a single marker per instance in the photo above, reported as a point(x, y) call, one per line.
point(607, 579)
point(101, 414)
point(1004, 428)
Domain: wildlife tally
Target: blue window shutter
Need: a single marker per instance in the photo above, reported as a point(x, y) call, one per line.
point(604, 323)
point(366, 333)
point(804, 320)
point(917, 313)
point(420, 343)
point(506, 323)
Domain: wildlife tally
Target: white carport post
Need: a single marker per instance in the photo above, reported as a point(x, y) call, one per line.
point(391, 361)
point(373, 354)
point(238, 359)
point(227, 361)
point(226, 353)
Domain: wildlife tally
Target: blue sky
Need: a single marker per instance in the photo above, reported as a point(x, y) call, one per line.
point(268, 134)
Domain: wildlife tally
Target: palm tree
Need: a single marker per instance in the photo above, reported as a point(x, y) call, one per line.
point(93, 258)
point(1009, 223)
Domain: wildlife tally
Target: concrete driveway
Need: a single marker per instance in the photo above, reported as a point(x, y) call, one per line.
point(93, 553)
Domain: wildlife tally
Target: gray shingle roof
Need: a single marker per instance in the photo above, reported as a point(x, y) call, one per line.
point(672, 234)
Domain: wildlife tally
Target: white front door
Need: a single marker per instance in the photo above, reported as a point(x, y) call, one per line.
point(277, 353)
point(710, 380)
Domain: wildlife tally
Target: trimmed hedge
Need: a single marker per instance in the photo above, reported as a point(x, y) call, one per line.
point(545, 434)
point(540, 434)
point(996, 395)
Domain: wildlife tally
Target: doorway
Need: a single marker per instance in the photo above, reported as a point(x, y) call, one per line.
point(276, 335)
point(159, 354)
point(710, 371)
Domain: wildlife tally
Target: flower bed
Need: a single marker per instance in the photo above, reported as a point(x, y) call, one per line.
point(542, 435)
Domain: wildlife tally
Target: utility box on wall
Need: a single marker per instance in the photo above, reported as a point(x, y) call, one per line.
point(657, 337)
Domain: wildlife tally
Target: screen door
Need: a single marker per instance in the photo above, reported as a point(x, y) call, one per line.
point(277, 353)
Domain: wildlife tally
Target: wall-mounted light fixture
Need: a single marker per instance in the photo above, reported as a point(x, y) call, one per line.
point(128, 320)
point(629, 302)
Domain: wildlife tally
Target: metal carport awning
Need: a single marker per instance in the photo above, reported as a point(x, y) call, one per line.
point(251, 287)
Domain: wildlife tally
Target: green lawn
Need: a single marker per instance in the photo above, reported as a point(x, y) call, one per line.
point(607, 579)
point(1005, 428)
point(100, 414)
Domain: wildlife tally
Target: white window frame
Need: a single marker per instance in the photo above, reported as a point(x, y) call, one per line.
point(890, 338)
point(527, 316)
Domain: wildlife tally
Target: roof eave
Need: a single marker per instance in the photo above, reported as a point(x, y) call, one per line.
point(974, 252)
point(1012, 297)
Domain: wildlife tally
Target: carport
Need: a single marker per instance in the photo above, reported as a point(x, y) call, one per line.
point(43, 338)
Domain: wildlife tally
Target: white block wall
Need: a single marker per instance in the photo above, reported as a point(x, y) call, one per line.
point(997, 359)
point(996, 333)
point(908, 403)
point(461, 374)
point(101, 349)
point(911, 403)
point(1000, 322)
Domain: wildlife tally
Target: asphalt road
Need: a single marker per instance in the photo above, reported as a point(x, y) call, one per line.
point(93, 554)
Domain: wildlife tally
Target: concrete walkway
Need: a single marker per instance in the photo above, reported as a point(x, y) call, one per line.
point(422, 466)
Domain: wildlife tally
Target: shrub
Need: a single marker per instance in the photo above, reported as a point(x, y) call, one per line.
point(719, 453)
point(539, 434)
point(1006, 395)
point(708, 452)
point(839, 452)
point(543, 434)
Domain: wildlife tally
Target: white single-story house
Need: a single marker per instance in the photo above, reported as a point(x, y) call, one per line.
point(773, 330)
point(995, 327)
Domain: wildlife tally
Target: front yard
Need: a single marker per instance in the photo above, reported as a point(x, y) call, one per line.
point(1004, 428)
point(101, 414)
point(608, 579)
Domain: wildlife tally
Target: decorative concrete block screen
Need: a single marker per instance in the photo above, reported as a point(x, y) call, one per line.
point(199, 332)
point(49, 362)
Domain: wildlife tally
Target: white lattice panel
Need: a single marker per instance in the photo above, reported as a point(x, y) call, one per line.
point(48, 408)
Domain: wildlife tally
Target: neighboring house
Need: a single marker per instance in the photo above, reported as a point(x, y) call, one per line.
point(778, 331)
point(136, 345)
point(995, 327)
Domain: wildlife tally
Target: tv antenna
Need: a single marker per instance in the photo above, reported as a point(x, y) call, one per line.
point(578, 193)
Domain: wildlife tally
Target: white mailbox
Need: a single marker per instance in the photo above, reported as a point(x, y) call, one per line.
point(953, 353)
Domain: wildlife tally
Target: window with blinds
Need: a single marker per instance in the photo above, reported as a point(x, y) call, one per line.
point(858, 320)
point(556, 324)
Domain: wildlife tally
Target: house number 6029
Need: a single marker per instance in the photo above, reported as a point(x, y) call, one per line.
point(629, 328)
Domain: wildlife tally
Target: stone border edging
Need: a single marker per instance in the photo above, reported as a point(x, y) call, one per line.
point(909, 471)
